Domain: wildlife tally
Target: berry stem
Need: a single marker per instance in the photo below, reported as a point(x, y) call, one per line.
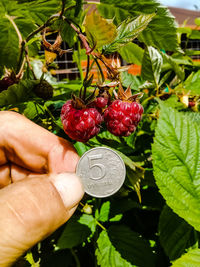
point(79, 60)
point(86, 77)
point(100, 70)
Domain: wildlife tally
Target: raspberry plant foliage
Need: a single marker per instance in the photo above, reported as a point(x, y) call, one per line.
point(154, 219)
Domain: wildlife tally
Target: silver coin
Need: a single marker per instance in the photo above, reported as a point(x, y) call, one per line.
point(102, 172)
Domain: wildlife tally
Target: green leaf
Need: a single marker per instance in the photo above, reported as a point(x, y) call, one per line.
point(99, 31)
point(175, 234)
point(130, 80)
point(104, 212)
point(195, 34)
point(192, 52)
point(108, 136)
point(6, 7)
point(17, 93)
point(73, 234)
point(32, 110)
point(135, 178)
point(81, 148)
point(161, 28)
point(151, 65)
point(122, 247)
point(9, 45)
point(75, 14)
point(89, 221)
point(128, 162)
point(128, 30)
point(40, 10)
point(193, 116)
point(132, 53)
point(176, 161)
point(77, 230)
point(197, 21)
point(190, 85)
point(190, 259)
point(116, 218)
point(68, 34)
point(177, 69)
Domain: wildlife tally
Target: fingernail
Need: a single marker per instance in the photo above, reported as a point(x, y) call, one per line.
point(69, 187)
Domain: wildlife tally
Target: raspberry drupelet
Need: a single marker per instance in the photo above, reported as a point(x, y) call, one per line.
point(80, 124)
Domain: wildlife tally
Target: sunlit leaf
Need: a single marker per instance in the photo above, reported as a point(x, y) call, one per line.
point(122, 247)
point(99, 31)
point(151, 65)
point(176, 161)
point(132, 53)
point(128, 30)
point(192, 258)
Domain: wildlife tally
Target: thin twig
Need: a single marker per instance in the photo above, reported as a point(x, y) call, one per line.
point(47, 23)
point(99, 224)
point(19, 74)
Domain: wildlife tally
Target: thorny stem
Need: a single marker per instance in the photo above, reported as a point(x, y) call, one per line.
point(82, 37)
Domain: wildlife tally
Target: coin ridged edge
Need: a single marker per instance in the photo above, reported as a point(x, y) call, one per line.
point(124, 168)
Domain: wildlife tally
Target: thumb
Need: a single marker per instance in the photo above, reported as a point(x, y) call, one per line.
point(32, 209)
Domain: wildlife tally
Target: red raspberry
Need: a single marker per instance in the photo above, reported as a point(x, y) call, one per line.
point(122, 117)
point(80, 124)
point(101, 102)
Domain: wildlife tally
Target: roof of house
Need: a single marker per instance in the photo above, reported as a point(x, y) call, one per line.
point(182, 14)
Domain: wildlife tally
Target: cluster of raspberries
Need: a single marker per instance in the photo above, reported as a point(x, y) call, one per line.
point(121, 118)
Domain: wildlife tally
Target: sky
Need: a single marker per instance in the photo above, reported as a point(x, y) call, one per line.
point(187, 4)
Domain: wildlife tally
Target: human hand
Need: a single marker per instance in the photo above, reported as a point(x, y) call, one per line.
point(39, 190)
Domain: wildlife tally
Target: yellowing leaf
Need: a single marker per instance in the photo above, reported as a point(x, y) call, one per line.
point(49, 56)
point(99, 31)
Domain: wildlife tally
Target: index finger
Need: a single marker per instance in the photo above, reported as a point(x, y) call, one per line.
point(32, 147)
